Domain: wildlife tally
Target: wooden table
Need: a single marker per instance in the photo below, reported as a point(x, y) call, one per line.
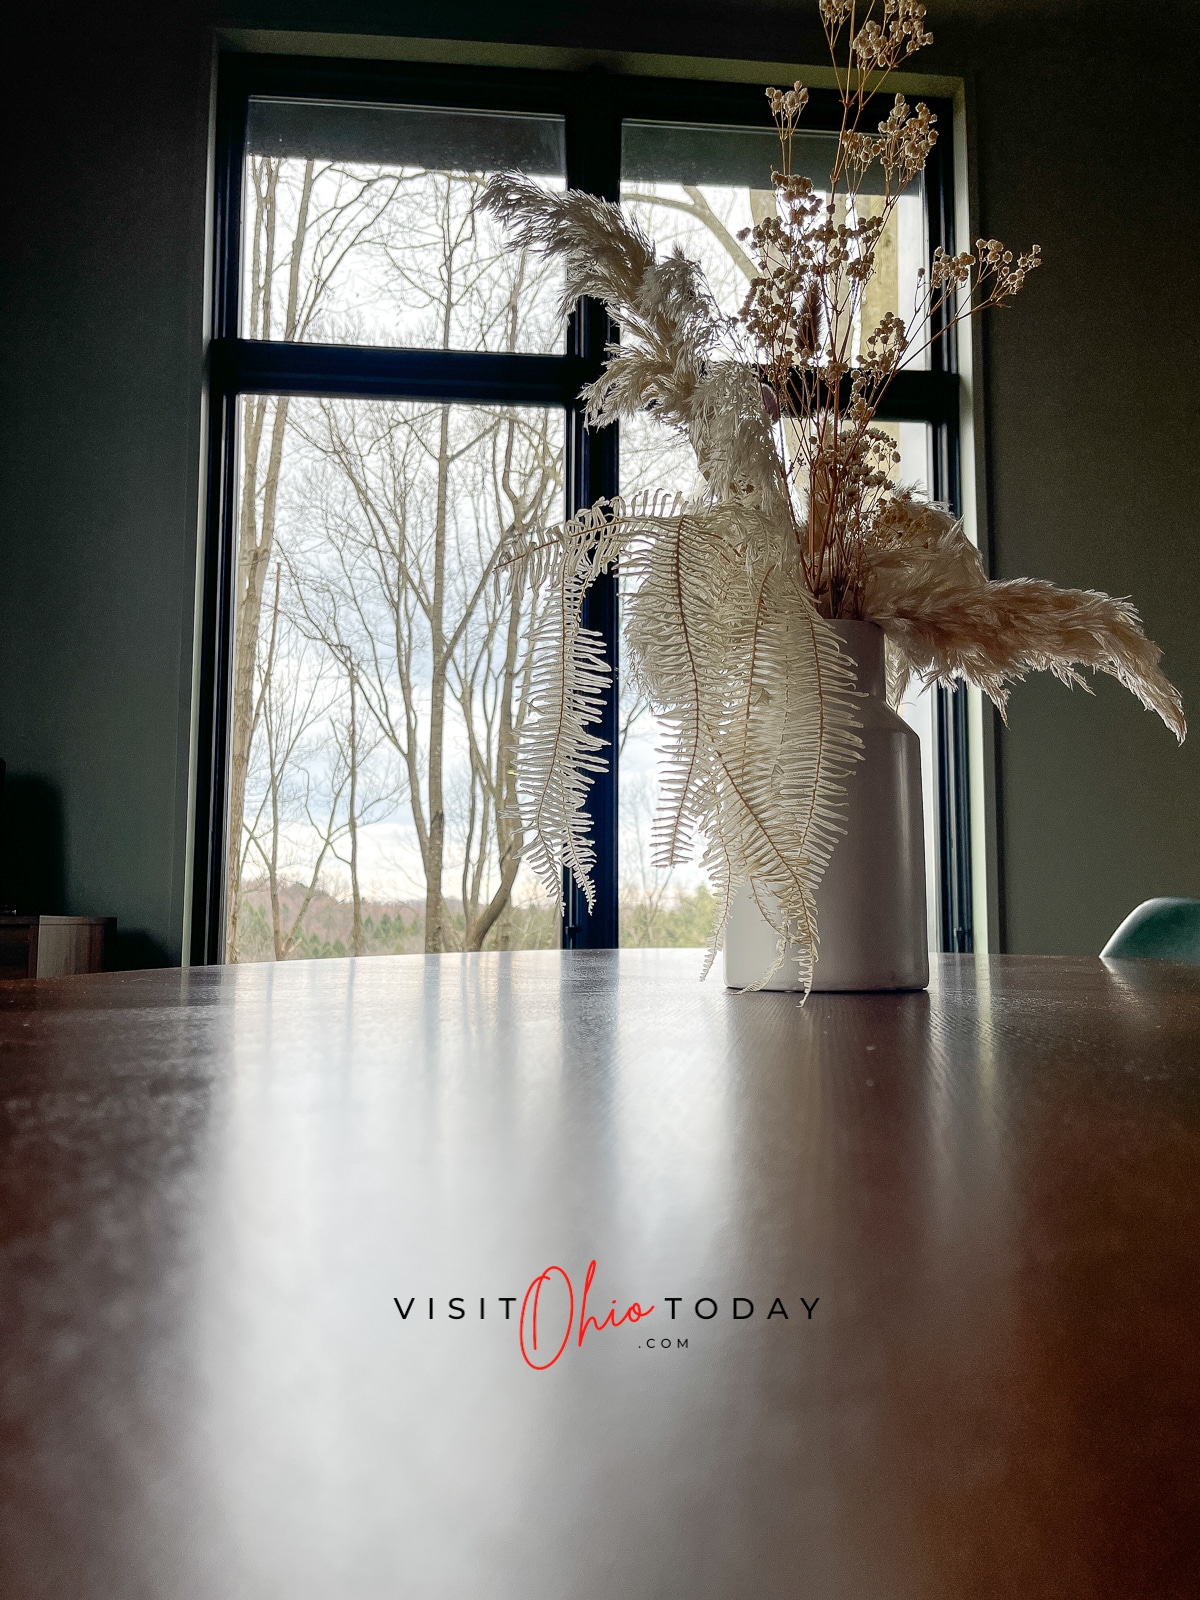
point(218, 1184)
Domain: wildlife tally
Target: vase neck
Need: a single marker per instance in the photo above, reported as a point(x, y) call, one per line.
point(863, 643)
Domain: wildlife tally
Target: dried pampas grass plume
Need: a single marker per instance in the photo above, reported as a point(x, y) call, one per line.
point(670, 358)
point(925, 586)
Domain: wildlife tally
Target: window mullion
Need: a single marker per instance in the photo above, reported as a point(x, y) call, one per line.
point(594, 164)
point(259, 366)
point(956, 917)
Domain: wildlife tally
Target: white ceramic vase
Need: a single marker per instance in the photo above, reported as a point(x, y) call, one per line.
point(871, 902)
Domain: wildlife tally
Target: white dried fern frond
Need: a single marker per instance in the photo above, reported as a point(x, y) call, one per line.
point(596, 534)
point(559, 757)
point(678, 638)
point(758, 705)
point(924, 583)
point(781, 759)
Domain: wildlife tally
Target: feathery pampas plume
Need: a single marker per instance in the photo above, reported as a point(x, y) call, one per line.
point(925, 586)
point(728, 595)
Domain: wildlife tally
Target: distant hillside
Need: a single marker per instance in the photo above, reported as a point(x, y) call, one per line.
point(397, 927)
point(390, 927)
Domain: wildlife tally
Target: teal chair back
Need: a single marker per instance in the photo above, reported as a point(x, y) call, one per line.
point(1158, 930)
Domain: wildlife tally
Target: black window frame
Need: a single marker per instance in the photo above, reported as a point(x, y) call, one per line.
point(593, 104)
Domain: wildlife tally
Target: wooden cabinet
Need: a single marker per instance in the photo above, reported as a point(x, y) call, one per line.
point(52, 947)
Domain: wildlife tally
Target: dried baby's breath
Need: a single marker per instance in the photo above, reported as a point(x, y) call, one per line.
point(825, 374)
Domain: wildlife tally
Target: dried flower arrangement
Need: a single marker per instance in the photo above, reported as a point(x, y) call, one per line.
point(728, 596)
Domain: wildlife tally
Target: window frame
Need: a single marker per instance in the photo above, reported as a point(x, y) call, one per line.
point(593, 104)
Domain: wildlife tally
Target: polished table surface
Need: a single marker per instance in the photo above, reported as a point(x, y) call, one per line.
point(979, 1208)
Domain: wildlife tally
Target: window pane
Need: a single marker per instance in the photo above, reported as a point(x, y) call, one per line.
point(697, 187)
point(914, 440)
point(655, 907)
point(919, 710)
point(358, 228)
point(381, 677)
point(675, 907)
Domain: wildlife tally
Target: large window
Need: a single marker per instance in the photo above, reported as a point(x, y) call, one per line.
point(393, 393)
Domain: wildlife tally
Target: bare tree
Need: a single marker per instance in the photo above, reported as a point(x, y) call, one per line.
point(372, 790)
point(387, 519)
point(405, 509)
point(403, 574)
point(305, 219)
point(291, 775)
point(698, 208)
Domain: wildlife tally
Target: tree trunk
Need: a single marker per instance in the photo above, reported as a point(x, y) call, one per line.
point(356, 898)
point(435, 906)
point(255, 544)
point(254, 556)
point(273, 869)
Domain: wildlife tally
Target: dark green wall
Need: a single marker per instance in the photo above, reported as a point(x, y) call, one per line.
point(1086, 142)
point(103, 210)
point(1083, 142)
